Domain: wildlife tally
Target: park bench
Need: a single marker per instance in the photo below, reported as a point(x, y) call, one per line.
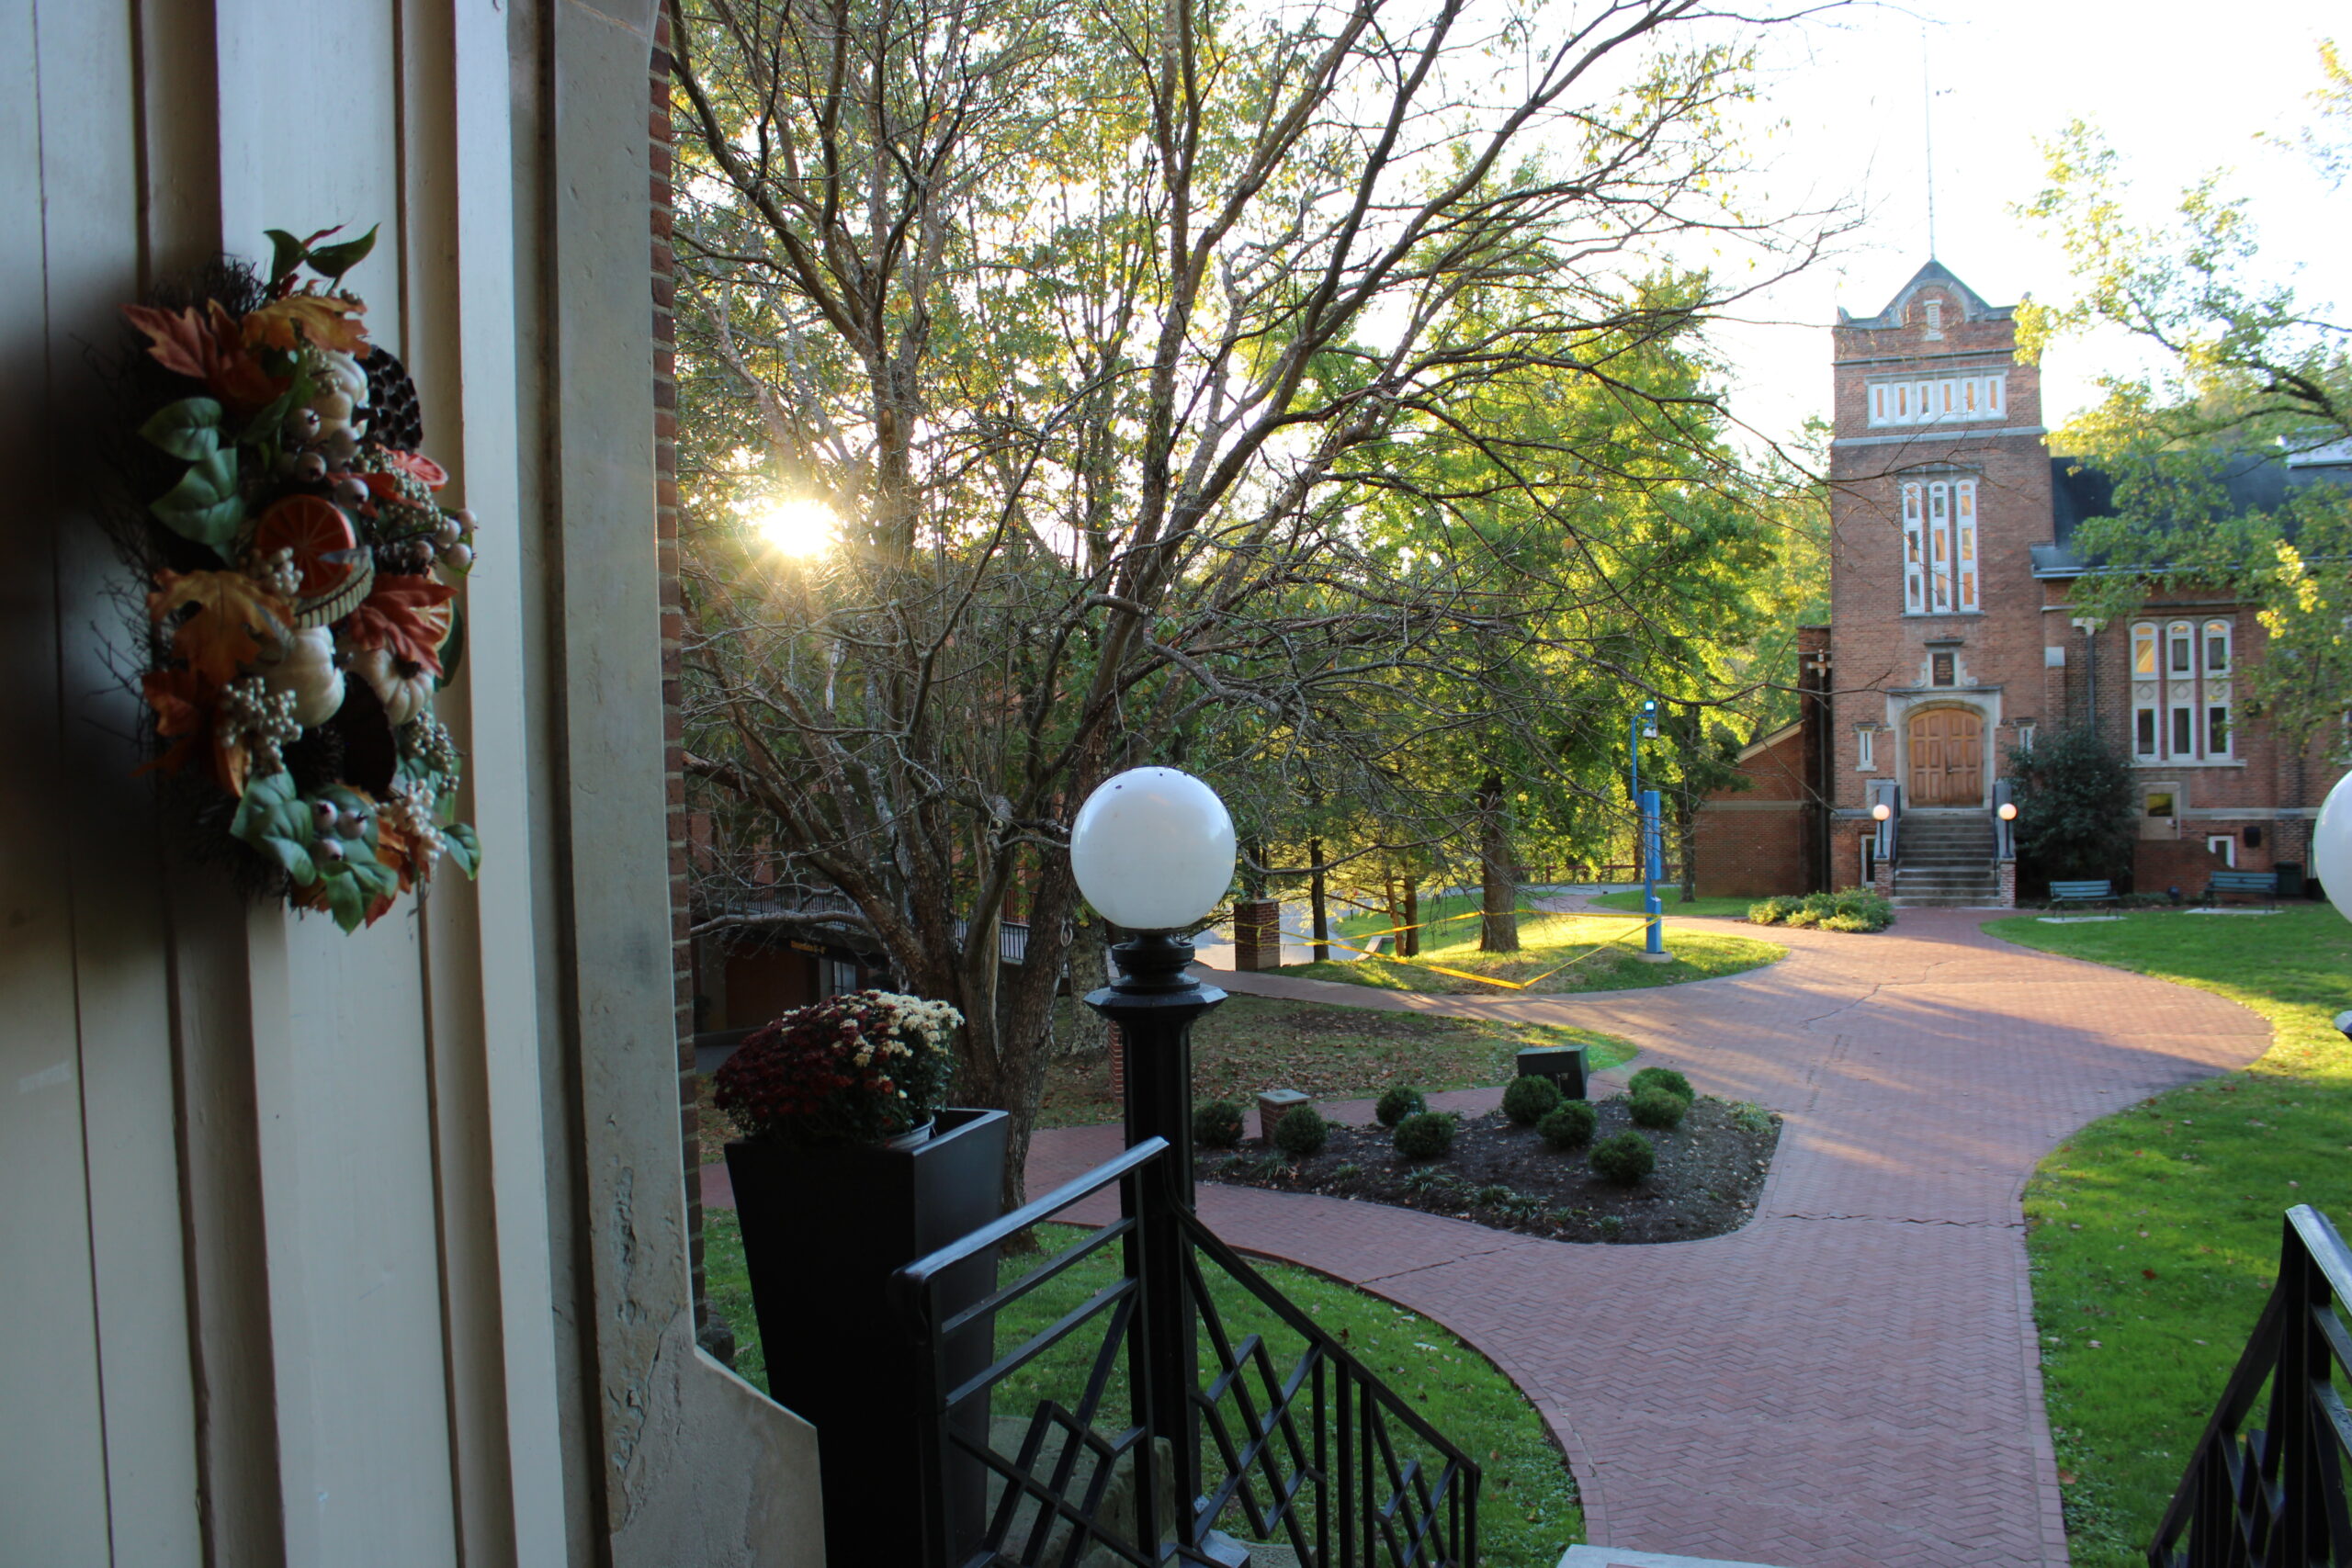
point(2260, 885)
point(2084, 893)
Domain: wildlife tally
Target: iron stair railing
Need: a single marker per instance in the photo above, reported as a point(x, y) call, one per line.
point(1306, 1446)
point(2275, 1495)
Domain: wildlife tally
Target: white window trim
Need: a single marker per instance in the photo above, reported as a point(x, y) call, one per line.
point(2156, 706)
point(1947, 400)
point(1865, 749)
point(1942, 556)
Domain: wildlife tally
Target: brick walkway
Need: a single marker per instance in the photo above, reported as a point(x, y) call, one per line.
point(1851, 1381)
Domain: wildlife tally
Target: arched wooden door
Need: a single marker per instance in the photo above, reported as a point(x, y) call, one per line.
point(1946, 758)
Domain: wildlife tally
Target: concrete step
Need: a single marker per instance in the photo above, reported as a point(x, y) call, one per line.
point(1936, 881)
point(1989, 899)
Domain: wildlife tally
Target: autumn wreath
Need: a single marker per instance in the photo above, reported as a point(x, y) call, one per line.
point(300, 582)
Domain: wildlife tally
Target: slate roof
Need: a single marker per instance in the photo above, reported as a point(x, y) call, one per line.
point(2253, 484)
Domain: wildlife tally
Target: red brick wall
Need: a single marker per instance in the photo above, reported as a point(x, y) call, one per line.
point(1750, 843)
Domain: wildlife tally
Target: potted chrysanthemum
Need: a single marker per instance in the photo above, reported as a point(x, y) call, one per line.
point(851, 1165)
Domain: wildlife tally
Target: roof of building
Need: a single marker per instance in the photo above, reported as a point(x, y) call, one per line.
point(2252, 483)
point(1972, 304)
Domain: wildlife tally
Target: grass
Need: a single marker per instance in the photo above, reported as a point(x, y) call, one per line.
point(1558, 954)
point(2153, 1233)
point(1328, 1053)
point(1528, 1509)
point(1707, 909)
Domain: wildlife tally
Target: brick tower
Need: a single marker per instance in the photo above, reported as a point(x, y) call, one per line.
point(1941, 487)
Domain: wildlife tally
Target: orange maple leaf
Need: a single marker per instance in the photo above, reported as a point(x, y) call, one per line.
point(206, 347)
point(409, 615)
point(233, 613)
point(327, 321)
point(184, 705)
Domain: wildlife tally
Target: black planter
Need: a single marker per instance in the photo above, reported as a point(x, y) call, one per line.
point(1564, 1065)
point(823, 1231)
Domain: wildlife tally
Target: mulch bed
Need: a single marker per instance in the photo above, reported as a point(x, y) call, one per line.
point(1709, 1173)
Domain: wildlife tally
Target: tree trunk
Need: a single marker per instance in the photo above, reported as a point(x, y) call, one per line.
point(1408, 940)
point(1089, 970)
point(1686, 839)
point(1498, 885)
point(1319, 902)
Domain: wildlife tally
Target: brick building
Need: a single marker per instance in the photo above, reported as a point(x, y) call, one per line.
point(1951, 641)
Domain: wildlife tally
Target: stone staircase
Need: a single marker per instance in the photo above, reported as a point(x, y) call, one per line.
point(1944, 860)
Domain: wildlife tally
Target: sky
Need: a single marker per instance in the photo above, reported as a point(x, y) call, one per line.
point(2178, 89)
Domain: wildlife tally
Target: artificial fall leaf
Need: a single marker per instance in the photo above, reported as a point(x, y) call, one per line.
point(326, 321)
point(392, 849)
point(184, 706)
point(233, 613)
point(408, 617)
point(206, 347)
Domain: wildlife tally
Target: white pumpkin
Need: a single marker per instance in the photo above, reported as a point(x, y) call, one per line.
point(304, 664)
point(405, 689)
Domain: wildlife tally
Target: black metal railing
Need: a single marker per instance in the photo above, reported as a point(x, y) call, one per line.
point(1304, 1446)
point(2276, 1495)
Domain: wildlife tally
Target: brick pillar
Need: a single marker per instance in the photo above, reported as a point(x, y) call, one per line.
point(2008, 884)
point(1257, 934)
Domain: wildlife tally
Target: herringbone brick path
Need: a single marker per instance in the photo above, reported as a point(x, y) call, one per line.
point(1851, 1380)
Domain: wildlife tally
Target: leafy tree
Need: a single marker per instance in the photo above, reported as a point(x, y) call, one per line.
point(2075, 812)
point(2247, 371)
point(1097, 327)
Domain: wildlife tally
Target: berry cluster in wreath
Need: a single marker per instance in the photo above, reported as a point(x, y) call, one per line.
point(305, 611)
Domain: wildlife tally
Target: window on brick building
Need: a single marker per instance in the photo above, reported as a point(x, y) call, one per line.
point(1945, 400)
point(1935, 317)
point(1865, 749)
point(1939, 564)
point(2180, 690)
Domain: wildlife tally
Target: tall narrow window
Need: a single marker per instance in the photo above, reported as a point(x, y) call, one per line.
point(2144, 687)
point(2182, 662)
point(1964, 503)
point(1992, 387)
point(1878, 405)
point(1940, 546)
point(2184, 731)
point(2217, 641)
point(2217, 647)
point(1865, 750)
point(1914, 545)
point(1935, 317)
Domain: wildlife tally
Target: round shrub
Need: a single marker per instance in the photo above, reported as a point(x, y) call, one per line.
point(1425, 1134)
point(1567, 1125)
point(1302, 1132)
point(1526, 1100)
point(1658, 1108)
point(1624, 1159)
point(1665, 1079)
point(1217, 1124)
point(1400, 1101)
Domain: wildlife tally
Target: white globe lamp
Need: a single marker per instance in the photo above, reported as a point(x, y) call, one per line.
point(1152, 849)
point(2009, 812)
point(2331, 846)
point(1881, 812)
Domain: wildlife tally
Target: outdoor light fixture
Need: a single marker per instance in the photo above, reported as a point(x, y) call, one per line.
point(2009, 812)
point(1152, 849)
point(2331, 846)
point(1881, 812)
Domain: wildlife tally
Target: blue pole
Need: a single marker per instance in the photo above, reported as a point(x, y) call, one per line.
point(1646, 802)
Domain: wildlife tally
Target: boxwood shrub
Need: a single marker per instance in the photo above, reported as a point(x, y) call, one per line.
point(1658, 1108)
point(1527, 1100)
point(1302, 1132)
point(1217, 1124)
point(1665, 1079)
point(1426, 1135)
point(1400, 1101)
point(1567, 1125)
point(1624, 1159)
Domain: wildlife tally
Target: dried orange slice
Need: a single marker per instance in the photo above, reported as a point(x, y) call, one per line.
point(320, 536)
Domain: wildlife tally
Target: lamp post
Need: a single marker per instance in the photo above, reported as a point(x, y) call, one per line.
point(2331, 860)
point(1152, 850)
point(1644, 725)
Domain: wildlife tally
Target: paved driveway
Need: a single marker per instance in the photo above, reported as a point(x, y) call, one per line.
point(1851, 1380)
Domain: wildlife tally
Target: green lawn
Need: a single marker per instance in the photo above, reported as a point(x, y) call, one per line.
point(1709, 908)
point(1558, 954)
point(1528, 1511)
point(2153, 1233)
point(1330, 1053)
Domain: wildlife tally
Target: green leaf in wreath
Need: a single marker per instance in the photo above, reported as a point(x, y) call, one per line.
point(267, 424)
point(273, 818)
point(286, 254)
point(333, 261)
point(189, 429)
point(463, 847)
point(205, 505)
point(346, 900)
point(453, 648)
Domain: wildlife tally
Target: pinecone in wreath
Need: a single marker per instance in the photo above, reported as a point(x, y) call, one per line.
point(398, 422)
